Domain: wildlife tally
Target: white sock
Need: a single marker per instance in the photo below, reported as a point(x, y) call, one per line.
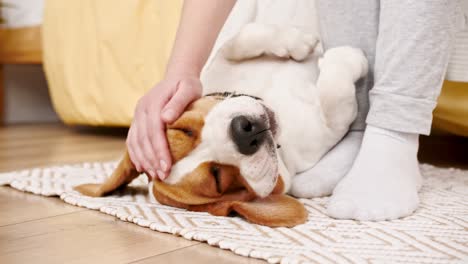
point(321, 179)
point(384, 180)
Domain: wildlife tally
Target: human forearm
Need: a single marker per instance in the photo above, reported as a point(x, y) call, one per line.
point(198, 29)
point(200, 24)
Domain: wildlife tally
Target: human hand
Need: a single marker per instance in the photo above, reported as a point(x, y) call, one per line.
point(163, 104)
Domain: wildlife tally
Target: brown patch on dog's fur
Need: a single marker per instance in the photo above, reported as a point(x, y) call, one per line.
point(202, 187)
point(185, 133)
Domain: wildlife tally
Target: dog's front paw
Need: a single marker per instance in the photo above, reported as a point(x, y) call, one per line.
point(256, 39)
point(293, 43)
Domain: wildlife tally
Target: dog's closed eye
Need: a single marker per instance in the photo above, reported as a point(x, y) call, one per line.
point(187, 132)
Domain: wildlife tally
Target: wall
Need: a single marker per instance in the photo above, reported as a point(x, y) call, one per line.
point(26, 95)
point(22, 13)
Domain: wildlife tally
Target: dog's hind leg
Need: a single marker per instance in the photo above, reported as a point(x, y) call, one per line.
point(255, 40)
point(339, 69)
point(122, 175)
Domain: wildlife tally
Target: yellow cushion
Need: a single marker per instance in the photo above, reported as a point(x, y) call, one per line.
point(101, 56)
point(451, 113)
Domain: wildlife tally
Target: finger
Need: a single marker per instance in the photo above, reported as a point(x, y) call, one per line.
point(159, 143)
point(133, 158)
point(176, 105)
point(150, 161)
point(137, 148)
point(131, 146)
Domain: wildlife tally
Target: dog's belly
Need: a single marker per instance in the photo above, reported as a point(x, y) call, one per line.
point(287, 87)
point(260, 76)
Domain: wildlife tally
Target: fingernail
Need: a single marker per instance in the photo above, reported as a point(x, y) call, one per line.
point(169, 114)
point(161, 174)
point(163, 165)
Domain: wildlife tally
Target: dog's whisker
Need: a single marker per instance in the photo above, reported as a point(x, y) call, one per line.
point(262, 131)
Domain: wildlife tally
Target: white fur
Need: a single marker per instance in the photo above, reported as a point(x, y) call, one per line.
point(201, 154)
point(314, 104)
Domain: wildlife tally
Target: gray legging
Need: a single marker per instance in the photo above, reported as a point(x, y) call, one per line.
point(408, 45)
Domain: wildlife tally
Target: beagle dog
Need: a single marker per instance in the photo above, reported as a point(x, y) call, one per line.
point(273, 105)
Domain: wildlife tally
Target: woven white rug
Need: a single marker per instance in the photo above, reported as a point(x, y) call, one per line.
point(436, 233)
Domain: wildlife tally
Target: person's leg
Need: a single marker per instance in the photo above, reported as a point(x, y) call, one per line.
point(343, 23)
point(412, 53)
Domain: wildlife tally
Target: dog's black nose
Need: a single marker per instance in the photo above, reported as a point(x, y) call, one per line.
point(248, 134)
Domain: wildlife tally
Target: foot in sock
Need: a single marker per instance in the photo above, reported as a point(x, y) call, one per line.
point(323, 177)
point(383, 181)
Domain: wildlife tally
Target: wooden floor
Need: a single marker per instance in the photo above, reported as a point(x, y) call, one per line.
point(46, 230)
point(37, 229)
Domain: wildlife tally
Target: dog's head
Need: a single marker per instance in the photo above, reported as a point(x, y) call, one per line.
point(225, 160)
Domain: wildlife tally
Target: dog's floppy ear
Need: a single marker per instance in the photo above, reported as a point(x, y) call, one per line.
point(275, 210)
point(122, 175)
